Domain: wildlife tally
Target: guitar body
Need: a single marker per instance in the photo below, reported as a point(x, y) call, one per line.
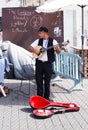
point(40, 54)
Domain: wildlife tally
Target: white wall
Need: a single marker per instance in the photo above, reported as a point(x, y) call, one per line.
point(73, 26)
point(70, 27)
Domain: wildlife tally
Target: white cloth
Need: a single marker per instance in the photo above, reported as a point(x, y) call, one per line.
point(19, 57)
point(45, 43)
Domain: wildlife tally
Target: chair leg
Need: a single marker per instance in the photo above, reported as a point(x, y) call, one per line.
point(21, 85)
point(20, 91)
point(29, 87)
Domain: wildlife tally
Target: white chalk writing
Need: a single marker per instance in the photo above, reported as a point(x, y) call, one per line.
point(19, 20)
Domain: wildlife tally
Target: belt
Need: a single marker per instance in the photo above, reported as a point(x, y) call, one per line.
point(43, 61)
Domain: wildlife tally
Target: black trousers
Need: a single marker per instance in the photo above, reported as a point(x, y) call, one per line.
point(43, 75)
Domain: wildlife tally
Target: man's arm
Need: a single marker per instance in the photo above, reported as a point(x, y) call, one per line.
point(56, 46)
point(31, 49)
point(33, 46)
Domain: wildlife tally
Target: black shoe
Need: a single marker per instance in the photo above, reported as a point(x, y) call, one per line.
point(49, 99)
point(6, 90)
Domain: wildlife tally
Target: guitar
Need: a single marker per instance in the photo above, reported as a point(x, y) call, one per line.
point(41, 51)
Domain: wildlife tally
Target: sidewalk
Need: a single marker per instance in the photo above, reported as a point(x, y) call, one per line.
point(16, 114)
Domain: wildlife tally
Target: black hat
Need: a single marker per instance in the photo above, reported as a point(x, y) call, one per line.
point(43, 29)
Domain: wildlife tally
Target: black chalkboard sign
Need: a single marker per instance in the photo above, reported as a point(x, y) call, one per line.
point(20, 25)
point(0, 24)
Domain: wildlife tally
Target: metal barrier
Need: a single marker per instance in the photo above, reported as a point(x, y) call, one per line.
point(69, 66)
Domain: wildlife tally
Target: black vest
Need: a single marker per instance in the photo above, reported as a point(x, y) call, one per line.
point(50, 52)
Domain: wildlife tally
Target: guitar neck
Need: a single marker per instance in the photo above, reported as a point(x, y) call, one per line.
point(49, 48)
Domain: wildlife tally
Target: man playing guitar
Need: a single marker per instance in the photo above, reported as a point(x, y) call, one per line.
point(47, 46)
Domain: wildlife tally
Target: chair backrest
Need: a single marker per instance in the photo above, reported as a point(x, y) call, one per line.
point(68, 65)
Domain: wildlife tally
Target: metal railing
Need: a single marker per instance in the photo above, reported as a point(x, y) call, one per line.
point(69, 66)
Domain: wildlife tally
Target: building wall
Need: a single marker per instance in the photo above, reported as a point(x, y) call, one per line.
point(31, 2)
point(24, 3)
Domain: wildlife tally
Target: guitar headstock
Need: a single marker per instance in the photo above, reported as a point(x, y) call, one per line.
point(65, 43)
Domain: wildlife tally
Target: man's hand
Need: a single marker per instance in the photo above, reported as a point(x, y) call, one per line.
point(57, 48)
point(36, 51)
